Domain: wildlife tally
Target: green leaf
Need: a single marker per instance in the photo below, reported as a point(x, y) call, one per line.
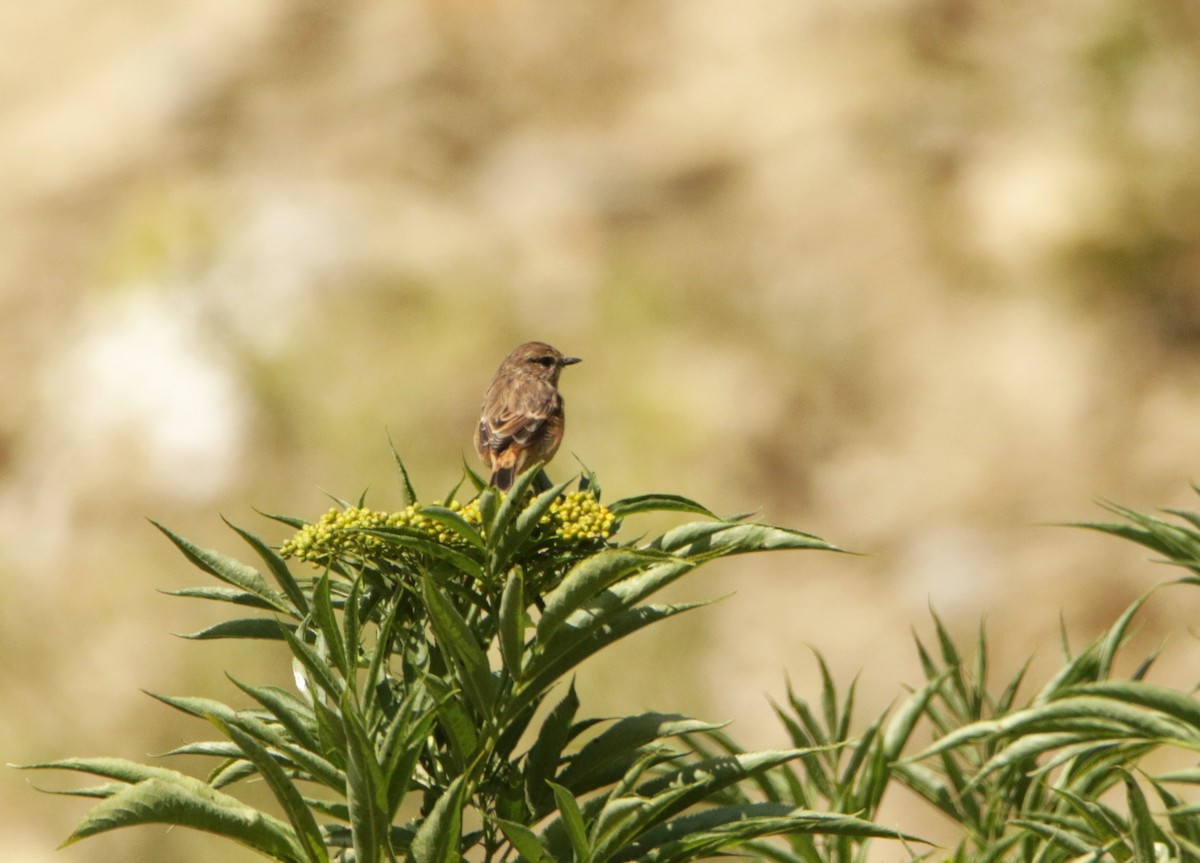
point(327, 623)
point(637, 587)
point(1142, 827)
point(489, 504)
point(263, 628)
point(278, 568)
point(185, 802)
point(227, 569)
point(436, 840)
point(541, 764)
point(587, 578)
point(658, 503)
point(292, 713)
point(316, 667)
point(588, 481)
point(522, 839)
point(126, 771)
point(1100, 717)
point(223, 594)
point(290, 521)
point(714, 830)
point(676, 791)
point(352, 608)
point(378, 669)
point(285, 792)
point(743, 538)
point(422, 543)
point(455, 720)
point(366, 790)
point(512, 622)
point(269, 735)
point(229, 772)
point(508, 543)
point(462, 649)
point(605, 758)
point(454, 521)
point(214, 748)
point(1157, 698)
point(572, 645)
point(572, 818)
point(622, 805)
point(410, 494)
point(512, 503)
point(402, 745)
point(473, 477)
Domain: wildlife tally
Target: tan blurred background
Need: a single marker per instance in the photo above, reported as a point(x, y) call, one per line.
point(918, 276)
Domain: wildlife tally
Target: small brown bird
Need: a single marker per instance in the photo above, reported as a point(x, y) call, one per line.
point(521, 421)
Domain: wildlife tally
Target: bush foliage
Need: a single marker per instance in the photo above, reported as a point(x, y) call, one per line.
point(434, 718)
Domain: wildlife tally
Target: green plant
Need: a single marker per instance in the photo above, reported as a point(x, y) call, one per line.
point(1053, 778)
point(424, 650)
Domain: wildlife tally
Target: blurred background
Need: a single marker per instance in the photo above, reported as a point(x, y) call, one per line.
point(918, 276)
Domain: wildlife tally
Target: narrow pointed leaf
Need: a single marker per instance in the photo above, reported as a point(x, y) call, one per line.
point(658, 503)
point(586, 579)
point(544, 756)
point(366, 790)
point(605, 758)
point(454, 720)
point(421, 542)
point(511, 540)
point(454, 521)
point(512, 503)
point(572, 646)
point(278, 568)
point(521, 838)
point(461, 647)
point(289, 797)
point(262, 628)
point(326, 621)
point(678, 790)
point(743, 538)
point(436, 840)
point(187, 802)
point(317, 669)
point(572, 818)
point(1141, 824)
point(121, 769)
point(233, 595)
point(410, 494)
point(227, 569)
point(512, 622)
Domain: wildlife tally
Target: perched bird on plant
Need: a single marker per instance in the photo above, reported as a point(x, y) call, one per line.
point(521, 421)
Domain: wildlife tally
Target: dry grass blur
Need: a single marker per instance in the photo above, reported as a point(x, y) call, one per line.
point(914, 275)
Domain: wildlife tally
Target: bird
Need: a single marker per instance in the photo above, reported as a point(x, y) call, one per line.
point(521, 421)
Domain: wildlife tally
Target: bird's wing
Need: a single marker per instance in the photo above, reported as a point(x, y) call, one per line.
point(518, 422)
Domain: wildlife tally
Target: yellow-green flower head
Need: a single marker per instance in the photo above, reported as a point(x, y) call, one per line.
point(339, 532)
point(579, 516)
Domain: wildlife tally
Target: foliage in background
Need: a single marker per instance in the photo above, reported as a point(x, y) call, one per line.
point(1052, 778)
point(423, 652)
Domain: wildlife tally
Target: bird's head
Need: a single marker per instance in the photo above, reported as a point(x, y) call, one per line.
point(538, 360)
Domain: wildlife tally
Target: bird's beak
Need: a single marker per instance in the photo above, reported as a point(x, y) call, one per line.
point(570, 361)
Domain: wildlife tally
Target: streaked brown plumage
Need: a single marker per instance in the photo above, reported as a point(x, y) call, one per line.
point(521, 421)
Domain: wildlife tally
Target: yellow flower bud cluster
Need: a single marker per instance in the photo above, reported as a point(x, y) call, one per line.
point(339, 532)
point(579, 516)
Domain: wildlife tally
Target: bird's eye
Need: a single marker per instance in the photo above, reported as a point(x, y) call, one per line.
point(546, 361)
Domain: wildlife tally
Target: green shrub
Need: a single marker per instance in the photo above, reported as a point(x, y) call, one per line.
point(1022, 778)
point(424, 644)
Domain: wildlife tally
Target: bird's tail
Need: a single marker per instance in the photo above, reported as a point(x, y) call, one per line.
point(504, 468)
point(502, 477)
